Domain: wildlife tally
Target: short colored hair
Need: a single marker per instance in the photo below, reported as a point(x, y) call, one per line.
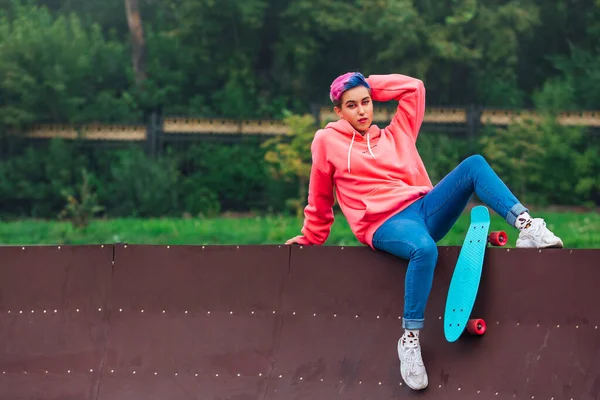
point(345, 82)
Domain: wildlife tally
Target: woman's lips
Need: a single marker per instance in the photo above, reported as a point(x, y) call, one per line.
point(363, 120)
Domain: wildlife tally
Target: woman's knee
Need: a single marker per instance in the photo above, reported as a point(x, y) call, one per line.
point(475, 161)
point(426, 249)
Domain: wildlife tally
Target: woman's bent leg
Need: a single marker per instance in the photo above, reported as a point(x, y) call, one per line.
point(447, 200)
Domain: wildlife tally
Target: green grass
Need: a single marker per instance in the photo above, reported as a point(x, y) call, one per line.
point(578, 230)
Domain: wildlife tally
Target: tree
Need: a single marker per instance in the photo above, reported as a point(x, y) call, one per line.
point(138, 44)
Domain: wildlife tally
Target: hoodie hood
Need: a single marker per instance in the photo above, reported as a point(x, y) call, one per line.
point(345, 128)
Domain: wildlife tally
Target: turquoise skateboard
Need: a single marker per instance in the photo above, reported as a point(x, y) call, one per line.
point(467, 275)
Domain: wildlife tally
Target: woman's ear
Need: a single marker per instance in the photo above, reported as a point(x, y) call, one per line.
point(338, 111)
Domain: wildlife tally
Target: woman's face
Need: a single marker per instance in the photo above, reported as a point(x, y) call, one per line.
point(357, 108)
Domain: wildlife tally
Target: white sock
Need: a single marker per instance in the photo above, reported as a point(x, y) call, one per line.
point(523, 221)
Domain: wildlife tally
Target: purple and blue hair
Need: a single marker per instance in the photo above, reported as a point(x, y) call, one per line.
point(345, 82)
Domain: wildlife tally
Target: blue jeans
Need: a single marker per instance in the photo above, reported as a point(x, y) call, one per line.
point(412, 234)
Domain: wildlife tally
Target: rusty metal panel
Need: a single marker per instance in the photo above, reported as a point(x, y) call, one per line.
point(542, 341)
point(342, 322)
point(278, 322)
point(194, 321)
point(54, 314)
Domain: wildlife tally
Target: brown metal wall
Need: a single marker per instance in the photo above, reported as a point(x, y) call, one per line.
point(278, 322)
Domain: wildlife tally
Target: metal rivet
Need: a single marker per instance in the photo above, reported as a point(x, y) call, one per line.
point(59, 247)
point(360, 382)
point(379, 383)
point(22, 248)
point(68, 371)
point(155, 373)
point(112, 371)
point(334, 315)
point(321, 379)
point(32, 311)
point(507, 250)
point(164, 311)
point(576, 326)
point(55, 311)
point(21, 312)
point(99, 309)
point(91, 370)
point(260, 374)
point(342, 247)
point(273, 312)
point(202, 246)
point(356, 315)
point(280, 376)
point(239, 375)
point(120, 310)
point(134, 372)
point(142, 311)
point(216, 374)
point(77, 310)
point(378, 317)
point(440, 386)
point(195, 374)
point(168, 247)
point(315, 314)
point(126, 247)
point(175, 373)
point(208, 313)
point(187, 312)
point(459, 389)
point(230, 312)
point(558, 326)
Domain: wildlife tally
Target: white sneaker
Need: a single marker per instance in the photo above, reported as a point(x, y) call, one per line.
point(412, 368)
point(536, 235)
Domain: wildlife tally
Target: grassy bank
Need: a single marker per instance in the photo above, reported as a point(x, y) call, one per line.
point(578, 230)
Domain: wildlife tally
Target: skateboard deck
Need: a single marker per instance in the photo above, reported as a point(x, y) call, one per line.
point(467, 275)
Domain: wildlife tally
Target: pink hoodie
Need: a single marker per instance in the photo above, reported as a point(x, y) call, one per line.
point(375, 176)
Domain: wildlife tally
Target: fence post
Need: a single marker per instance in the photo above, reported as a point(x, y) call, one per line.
point(151, 136)
point(473, 125)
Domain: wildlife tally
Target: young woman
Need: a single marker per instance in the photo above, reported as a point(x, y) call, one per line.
point(385, 193)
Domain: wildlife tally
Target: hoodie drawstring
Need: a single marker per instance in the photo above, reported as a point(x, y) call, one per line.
point(350, 150)
point(369, 145)
point(352, 142)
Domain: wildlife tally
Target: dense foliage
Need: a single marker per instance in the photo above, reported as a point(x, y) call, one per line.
point(70, 61)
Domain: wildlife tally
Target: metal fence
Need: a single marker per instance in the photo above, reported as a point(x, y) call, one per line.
point(160, 131)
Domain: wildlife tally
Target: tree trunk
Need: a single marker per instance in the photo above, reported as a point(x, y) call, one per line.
point(138, 44)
